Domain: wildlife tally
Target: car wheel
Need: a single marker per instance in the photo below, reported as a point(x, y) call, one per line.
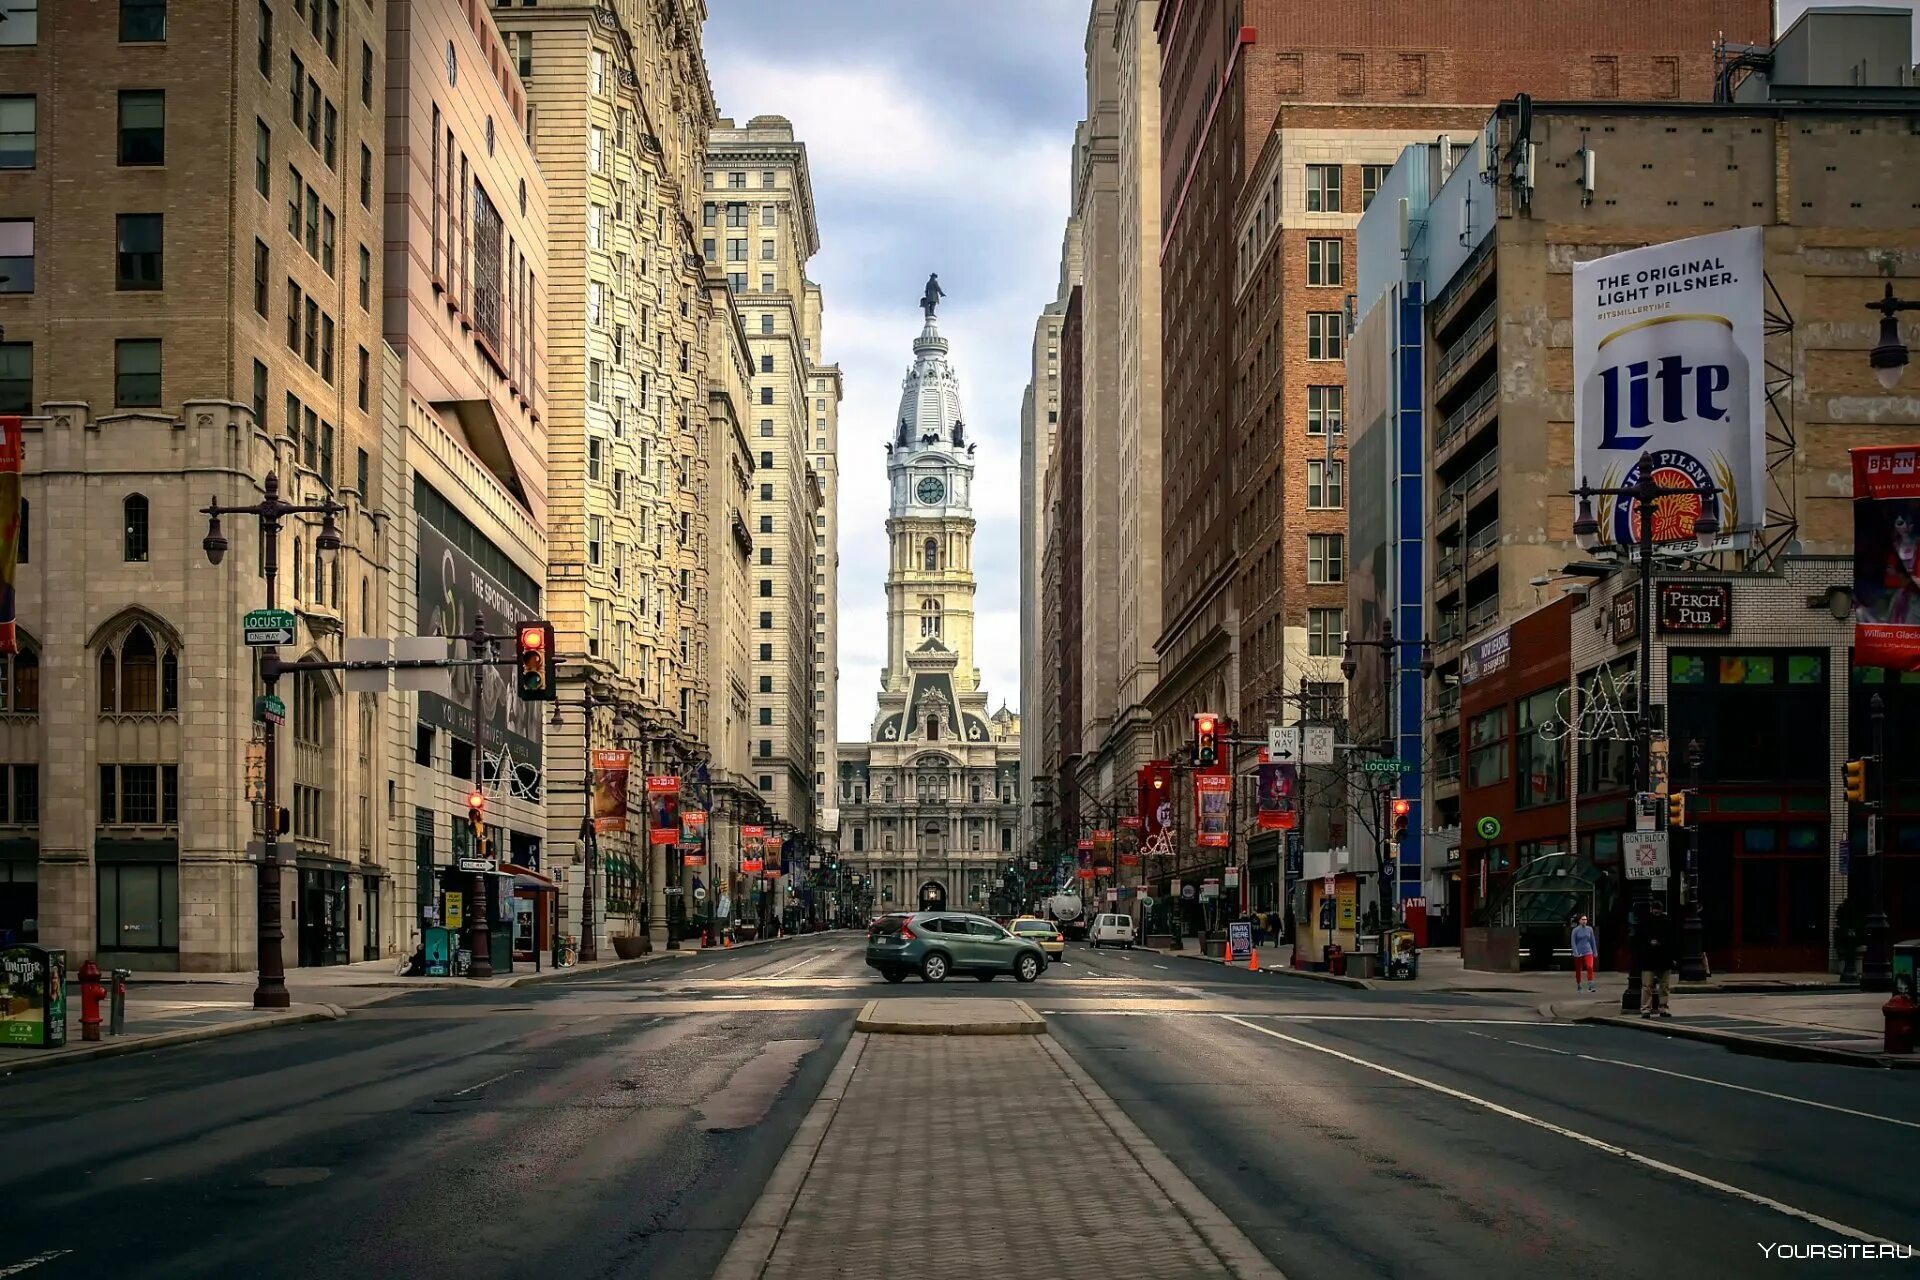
point(895, 975)
point(984, 977)
point(934, 968)
point(1026, 968)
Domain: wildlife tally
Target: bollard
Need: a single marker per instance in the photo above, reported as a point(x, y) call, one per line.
point(117, 1006)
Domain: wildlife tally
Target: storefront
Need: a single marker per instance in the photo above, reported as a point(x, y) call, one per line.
point(321, 913)
point(19, 891)
point(137, 903)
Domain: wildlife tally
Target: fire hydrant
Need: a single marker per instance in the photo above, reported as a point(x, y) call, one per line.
point(1899, 1015)
point(91, 992)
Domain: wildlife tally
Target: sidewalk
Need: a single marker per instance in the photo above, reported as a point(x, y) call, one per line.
point(1842, 1026)
point(987, 1098)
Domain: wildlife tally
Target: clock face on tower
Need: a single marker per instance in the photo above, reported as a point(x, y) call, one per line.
point(931, 490)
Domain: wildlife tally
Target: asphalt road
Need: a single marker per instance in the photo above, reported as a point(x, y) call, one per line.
point(623, 1123)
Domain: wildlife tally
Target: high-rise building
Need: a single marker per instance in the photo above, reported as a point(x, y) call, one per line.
point(201, 315)
point(929, 803)
point(756, 224)
point(823, 456)
point(465, 480)
point(620, 109)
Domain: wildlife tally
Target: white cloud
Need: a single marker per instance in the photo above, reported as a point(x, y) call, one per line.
point(905, 183)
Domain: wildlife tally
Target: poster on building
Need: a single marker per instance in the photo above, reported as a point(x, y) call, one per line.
point(663, 808)
point(1669, 365)
point(1127, 840)
point(1279, 793)
point(1487, 657)
point(693, 830)
point(1212, 794)
point(1886, 557)
point(13, 456)
point(610, 772)
point(454, 587)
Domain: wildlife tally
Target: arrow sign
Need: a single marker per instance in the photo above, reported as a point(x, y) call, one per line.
point(475, 864)
point(268, 627)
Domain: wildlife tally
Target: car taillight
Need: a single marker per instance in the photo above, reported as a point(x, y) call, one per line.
point(906, 933)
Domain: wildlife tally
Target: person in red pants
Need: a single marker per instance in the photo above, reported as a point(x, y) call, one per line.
point(1586, 950)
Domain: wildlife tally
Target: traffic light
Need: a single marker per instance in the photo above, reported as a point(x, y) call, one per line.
point(477, 821)
point(1206, 739)
point(533, 652)
point(1857, 781)
point(1402, 809)
point(1677, 809)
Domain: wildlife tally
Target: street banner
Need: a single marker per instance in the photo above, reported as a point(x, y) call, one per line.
point(1212, 794)
point(1279, 791)
point(752, 864)
point(1127, 841)
point(1156, 801)
point(693, 829)
point(610, 773)
point(1669, 366)
point(13, 454)
point(663, 809)
point(1886, 557)
point(1103, 852)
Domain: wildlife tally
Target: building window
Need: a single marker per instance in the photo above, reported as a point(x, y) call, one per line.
point(366, 278)
point(262, 262)
point(596, 380)
point(138, 675)
point(1323, 335)
point(1325, 558)
point(1323, 410)
point(766, 621)
point(1323, 261)
point(766, 587)
point(597, 149)
point(263, 49)
point(143, 127)
point(930, 555)
point(526, 54)
point(143, 21)
point(136, 372)
point(596, 530)
point(1371, 176)
point(930, 618)
point(766, 782)
point(16, 380)
point(1540, 753)
point(134, 511)
point(1326, 628)
point(260, 394)
point(363, 391)
point(329, 147)
point(766, 286)
point(766, 322)
point(1487, 748)
point(1323, 188)
point(366, 75)
point(141, 238)
point(366, 177)
point(1323, 484)
point(16, 255)
point(597, 77)
point(17, 131)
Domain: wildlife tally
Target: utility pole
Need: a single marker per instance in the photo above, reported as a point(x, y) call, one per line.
point(480, 650)
point(1876, 967)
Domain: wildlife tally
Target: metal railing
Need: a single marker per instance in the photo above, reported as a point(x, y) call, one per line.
point(1481, 614)
point(1446, 769)
point(1483, 539)
point(1450, 628)
point(1456, 422)
point(1459, 351)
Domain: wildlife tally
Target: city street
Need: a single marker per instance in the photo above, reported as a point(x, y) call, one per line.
point(624, 1124)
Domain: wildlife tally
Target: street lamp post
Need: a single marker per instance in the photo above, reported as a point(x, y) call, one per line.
point(1389, 646)
point(270, 989)
point(1645, 493)
point(1693, 948)
point(1876, 967)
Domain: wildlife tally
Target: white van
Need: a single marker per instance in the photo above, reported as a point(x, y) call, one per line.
point(1109, 928)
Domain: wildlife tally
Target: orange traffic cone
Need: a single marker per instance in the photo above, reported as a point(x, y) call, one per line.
point(729, 943)
point(1253, 959)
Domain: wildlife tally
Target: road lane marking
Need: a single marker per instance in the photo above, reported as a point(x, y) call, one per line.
point(698, 967)
point(32, 1262)
point(801, 964)
point(470, 1088)
point(1765, 1093)
point(1565, 1053)
point(1661, 1166)
point(1160, 966)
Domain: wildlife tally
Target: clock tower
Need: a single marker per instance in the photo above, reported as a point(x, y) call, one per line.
point(930, 520)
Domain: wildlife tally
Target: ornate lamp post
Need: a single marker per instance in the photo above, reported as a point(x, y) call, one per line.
point(270, 989)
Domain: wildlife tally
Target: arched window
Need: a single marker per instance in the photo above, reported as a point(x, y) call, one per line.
point(932, 550)
point(135, 510)
point(933, 728)
point(139, 674)
point(929, 617)
point(20, 682)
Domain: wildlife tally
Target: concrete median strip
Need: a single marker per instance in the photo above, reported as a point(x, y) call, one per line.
point(956, 1016)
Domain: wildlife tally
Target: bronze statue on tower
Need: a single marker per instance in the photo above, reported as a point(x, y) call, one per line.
point(931, 298)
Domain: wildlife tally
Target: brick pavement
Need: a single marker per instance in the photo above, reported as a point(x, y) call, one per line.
point(982, 1155)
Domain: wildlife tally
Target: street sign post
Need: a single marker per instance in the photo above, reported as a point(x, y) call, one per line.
point(267, 627)
point(1385, 765)
point(1317, 741)
point(270, 708)
point(1644, 854)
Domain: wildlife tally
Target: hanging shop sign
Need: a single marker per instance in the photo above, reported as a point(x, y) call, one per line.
point(1696, 608)
point(1669, 364)
point(1486, 657)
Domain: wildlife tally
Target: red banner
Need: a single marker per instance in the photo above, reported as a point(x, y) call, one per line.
point(1086, 873)
point(13, 456)
point(752, 866)
point(1155, 782)
point(1886, 557)
point(610, 772)
point(693, 859)
point(1279, 788)
point(663, 812)
point(1212, 794)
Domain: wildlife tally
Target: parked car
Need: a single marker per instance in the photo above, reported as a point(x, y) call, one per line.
point(1044, 932)
point(1108, 929)
point(935, 944)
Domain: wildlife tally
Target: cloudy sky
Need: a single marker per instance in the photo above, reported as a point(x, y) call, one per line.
point(939, 136)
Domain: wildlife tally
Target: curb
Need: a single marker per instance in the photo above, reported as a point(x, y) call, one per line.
point(1756, 1046)
point(1308, 975)
point(168, 1039)
point(871, 1021)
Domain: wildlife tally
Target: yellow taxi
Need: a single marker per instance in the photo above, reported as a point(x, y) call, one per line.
point(1044, 932)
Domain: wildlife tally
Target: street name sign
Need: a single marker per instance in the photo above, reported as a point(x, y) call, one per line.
point(1644, 854)
point(270, 708)
point(267, 627)
point(1382, 765)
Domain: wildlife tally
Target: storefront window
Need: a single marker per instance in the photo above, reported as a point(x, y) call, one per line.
point(1750, 712)
point(1604, 727)
point(1540, 750)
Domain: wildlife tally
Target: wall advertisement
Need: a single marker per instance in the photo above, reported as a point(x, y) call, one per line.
point(1886, 557)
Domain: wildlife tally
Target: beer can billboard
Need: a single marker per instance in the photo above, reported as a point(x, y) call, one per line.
point(1669, 370)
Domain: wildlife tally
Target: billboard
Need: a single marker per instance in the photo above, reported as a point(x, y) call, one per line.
point(452, 589)
point(1669, 371)
point(1886, 557)
point(610, 771)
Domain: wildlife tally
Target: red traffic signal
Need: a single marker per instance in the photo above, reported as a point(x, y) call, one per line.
point(533, 659)
point(1401, 809)
point(1206, 739)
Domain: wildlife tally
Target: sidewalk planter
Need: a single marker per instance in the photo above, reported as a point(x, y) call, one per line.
point(1490, 950)
point(1160, 942)
point(628, 946)
point(1214, 948)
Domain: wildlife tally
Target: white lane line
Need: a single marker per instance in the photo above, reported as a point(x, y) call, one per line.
point(1160, 966)
point(470, 1088)
point(781, 973)
point(698, 967)
point(32, 1262)
point(1765, 1093)
point(1565, 1053)
point(1672, 1170)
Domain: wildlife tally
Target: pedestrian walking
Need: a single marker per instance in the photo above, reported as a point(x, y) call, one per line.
point(1586, 952)
point(1655, 962)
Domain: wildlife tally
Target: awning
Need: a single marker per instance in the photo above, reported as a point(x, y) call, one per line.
point(528, 878)
point(1553, 888)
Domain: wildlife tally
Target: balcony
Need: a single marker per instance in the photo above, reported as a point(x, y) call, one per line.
point(1483, 540)
point(1462, 489)
point(1456, 358)
point(1451, 628)
point(1479, 615)
point(1456, 428)
point(1446, 775)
